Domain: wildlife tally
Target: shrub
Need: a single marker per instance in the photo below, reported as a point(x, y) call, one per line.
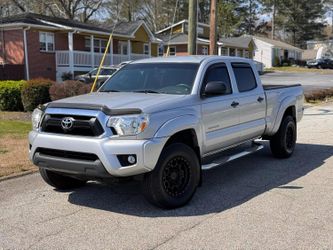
point(68, 89)
point(10, 95)
point(35, 92)
point(319, 95)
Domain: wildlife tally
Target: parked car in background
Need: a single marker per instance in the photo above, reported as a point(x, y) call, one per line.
point(104, 74)
point(122, 64)
point(322, 63)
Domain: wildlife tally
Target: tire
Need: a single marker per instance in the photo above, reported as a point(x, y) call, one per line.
point(60, 181)
point(175, 178)
point(283, 142)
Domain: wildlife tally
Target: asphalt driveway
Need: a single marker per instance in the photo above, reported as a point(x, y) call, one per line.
point(257, 202)
point(310, 81)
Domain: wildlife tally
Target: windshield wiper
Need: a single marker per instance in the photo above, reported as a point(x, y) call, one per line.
point(146, 91)
point(110, 90)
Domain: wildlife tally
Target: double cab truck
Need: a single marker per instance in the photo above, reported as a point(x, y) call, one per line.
point(164, 121)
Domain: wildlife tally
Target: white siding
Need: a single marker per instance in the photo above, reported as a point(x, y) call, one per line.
point(263, 53)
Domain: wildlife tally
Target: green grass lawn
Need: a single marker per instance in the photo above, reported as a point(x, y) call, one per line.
point(14, 128)
point(14, 147)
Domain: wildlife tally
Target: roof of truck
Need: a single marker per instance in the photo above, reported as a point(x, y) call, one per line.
point(189, 59)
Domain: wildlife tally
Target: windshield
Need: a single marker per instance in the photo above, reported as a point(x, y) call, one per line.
point(166, 78)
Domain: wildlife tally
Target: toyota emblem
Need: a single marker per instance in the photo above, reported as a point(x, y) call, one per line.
point(67, 123)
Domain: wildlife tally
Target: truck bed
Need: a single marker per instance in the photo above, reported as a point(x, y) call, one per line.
point(278, 86)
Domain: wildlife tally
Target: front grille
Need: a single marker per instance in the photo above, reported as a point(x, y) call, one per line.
point(81, 125)
point(67, 154)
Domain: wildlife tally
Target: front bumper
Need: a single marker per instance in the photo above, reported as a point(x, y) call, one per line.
point(147, 153)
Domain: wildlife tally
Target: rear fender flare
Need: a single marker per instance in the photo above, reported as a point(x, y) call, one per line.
point(285, 104)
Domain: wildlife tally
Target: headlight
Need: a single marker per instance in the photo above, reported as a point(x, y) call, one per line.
point(129, 124)
point(36, 118)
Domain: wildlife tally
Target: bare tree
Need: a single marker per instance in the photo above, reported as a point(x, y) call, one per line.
point(82, 10)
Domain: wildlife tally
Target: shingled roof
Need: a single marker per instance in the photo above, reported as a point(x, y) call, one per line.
point(277, 44)
point(238, 42)
point(178, 38)
point(37, 19)
point(121, 29)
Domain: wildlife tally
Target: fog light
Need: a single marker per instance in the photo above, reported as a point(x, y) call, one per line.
point(127, 160)
point(131, 159)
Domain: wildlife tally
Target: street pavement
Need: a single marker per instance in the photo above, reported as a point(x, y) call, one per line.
point(257, 202)
point(310, 81)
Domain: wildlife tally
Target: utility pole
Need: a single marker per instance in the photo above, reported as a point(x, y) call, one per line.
point(192, 27)
point(212, 33)
point(273, 19)
point(332, 21)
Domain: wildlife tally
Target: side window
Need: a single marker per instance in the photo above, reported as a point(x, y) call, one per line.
point(244, 75)
point(218, 73)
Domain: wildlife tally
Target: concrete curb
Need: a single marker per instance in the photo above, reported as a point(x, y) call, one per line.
point(17, 175)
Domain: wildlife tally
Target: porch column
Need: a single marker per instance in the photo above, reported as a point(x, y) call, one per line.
point(219, 50)
point(71, 53)
point(111, 51)
point(92, 51)
point(243, 52)
point(228, 51)
point(149, 46)
point(129, 49)
point(236, 50)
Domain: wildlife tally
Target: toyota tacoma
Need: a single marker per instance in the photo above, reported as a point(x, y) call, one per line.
point(164, 121)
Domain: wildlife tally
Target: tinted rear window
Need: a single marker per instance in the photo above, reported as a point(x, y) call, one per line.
point(244, 75)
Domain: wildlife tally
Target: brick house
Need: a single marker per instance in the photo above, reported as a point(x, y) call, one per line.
point(34, 45)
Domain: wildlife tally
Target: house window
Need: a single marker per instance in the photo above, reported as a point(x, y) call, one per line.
point(99, 45)
point(205, 50)
point(172, 51)
point(240, 52)
point(224, 51)
point(46, 41)
point(246, 54)
point(161, 50)
point(146, 49)
point(232, 52)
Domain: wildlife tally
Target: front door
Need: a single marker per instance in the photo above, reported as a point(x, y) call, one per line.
point(123, 48)
point(220, 116)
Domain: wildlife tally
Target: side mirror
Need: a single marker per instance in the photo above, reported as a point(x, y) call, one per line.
point(215, 88)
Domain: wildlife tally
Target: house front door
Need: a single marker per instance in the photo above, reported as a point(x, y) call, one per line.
point(123, 48)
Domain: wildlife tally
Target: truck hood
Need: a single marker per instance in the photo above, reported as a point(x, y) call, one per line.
point(148, 103)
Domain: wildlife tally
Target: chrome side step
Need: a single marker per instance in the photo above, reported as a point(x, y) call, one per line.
point(227, 158)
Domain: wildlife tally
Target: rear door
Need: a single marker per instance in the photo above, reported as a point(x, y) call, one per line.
point(220, 117)
point(252, 103)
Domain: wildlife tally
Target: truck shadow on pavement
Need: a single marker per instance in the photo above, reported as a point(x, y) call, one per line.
point(222, 188)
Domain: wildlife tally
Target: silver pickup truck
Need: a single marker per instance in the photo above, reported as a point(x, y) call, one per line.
point(164, 121)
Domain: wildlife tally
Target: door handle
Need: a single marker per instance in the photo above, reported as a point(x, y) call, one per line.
point(234, 104)
point(260, 99)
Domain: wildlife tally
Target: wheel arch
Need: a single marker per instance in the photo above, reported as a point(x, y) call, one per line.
point(287, 107)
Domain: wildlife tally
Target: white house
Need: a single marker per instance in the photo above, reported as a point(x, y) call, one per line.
point(272, 52)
